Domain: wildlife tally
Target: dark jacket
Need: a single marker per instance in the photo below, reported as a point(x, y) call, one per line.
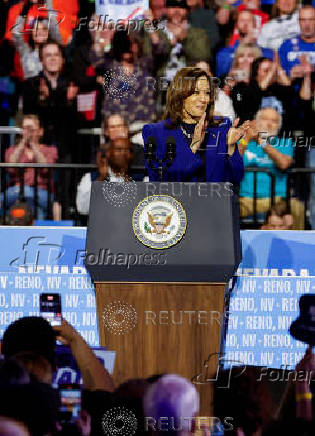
point(57, 114)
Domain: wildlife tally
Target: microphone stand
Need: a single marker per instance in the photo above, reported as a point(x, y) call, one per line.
point(160, 164)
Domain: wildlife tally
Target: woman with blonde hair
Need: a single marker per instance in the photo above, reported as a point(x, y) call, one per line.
point(244, 57)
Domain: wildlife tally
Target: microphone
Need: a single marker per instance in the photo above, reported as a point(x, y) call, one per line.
point(150, 149)
point(170, 149)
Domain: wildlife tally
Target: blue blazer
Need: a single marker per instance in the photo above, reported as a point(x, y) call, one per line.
point(217, 165)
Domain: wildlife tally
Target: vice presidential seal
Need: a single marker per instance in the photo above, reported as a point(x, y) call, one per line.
point(159, 221)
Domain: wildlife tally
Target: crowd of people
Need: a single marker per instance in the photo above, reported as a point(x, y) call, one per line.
point(67, 73)
point(81, 94)
point(32, 405)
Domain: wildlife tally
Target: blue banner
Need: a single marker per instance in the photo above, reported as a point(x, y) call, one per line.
point(277, 268)
point(42, 259)
point(68, 371)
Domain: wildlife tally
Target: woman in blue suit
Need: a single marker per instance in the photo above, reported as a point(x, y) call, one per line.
point(206, 148)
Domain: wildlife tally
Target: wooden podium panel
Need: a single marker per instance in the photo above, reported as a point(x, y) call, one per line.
point(177, 326)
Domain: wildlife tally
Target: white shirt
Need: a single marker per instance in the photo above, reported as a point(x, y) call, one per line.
point(84, 190)
point(279, 29)
point(223, 105)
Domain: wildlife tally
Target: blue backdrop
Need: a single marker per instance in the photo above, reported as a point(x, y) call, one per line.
point(277, 268)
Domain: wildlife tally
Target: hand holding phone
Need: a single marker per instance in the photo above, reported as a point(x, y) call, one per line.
point(66, 334)
point(70, 400)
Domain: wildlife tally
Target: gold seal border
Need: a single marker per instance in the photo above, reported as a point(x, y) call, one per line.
point(159, 195)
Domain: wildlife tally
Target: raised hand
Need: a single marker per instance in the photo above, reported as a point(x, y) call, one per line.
point(252, 132)
point(43, 89)
point(307, 67)
point(199, 133)
point(72, 91)
point(236, 132)
point(65, 332)
point(296, 71)
point(103, 171)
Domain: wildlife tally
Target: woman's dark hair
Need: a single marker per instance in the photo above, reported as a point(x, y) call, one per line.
point(122, 43)
point(182, 86)
point(38, 20)
point(255, 67)
point(136, 38)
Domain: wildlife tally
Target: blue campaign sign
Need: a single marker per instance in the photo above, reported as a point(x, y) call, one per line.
point(41, 246)
point(68, 371)
point(46, 259)
point(284, 250)
point(277, 268)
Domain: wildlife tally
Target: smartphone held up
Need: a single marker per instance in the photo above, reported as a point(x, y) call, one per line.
point(50, 308)
point(70, 399)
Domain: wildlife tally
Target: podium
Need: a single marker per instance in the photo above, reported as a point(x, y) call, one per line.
point(160, 255)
